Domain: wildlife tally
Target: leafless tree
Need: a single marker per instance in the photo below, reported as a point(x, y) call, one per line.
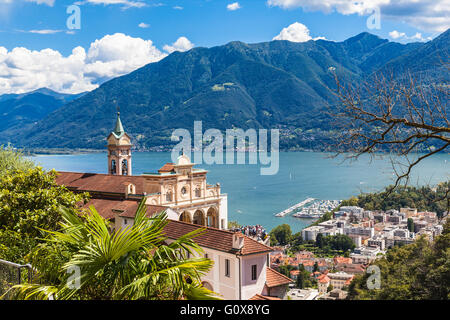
point(405, 118)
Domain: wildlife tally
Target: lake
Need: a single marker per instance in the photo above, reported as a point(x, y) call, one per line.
point(254, 198)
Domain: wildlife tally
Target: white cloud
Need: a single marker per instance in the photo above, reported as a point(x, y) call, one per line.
point(178, 8)
point(401, 36)
point(143, 25)
point(233, 6)
point(182, 44)
point(296, 32)
point(429, 15)
point(47, 2)
point(125, 3)
point(44, 31)
point(396, 35)
point(23, 70)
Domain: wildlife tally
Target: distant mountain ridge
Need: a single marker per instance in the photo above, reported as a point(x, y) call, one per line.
point(265, 85)
point(21, 111)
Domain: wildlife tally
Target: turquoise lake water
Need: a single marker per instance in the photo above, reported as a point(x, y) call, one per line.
point(254, 198)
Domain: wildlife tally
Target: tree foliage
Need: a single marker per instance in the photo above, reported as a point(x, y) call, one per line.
point(303, 278)
point(12, 160)
point(30, 199)
point(131, 263)
point(339, 242)
point(280, 235)
point(423, 198)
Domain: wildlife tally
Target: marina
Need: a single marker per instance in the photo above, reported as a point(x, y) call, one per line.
point(317, 209)
point(294, 207)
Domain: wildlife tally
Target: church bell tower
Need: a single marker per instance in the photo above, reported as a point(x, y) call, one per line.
point(119, 151)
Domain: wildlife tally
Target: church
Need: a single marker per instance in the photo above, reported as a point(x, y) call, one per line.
point(241, 264)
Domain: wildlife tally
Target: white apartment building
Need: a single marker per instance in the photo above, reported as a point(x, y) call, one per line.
point(310, 233)
point(360, 231)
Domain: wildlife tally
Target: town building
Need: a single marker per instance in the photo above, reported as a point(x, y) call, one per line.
point(335, 294)
point(340, 279)
point(323, 283)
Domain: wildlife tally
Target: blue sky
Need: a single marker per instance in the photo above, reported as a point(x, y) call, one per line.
point(149, 30)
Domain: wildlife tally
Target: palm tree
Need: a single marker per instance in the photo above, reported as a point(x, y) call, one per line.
point(86, 260)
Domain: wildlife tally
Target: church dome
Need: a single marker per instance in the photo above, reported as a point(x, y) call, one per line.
point(183, 160)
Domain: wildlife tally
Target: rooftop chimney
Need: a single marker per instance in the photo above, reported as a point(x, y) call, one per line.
point(238, 241)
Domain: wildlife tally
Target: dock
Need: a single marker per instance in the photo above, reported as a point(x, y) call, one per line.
point(295, 206)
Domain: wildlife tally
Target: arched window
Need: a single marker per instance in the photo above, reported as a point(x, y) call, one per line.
point(124, 167)
point(212, 218)
point(113, 167)
point(199, 218)
point(185, 217)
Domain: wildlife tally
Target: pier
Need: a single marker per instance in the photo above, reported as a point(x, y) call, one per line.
point(295, 206)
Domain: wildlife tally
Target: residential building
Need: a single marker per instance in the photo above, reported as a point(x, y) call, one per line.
point(339, 280)
point(323, 281)
point(410, 212)
point(310, 233)
point(335, 294)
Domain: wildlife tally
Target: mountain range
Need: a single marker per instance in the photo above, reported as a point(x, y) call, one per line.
point(277, 84)
point(20, 112)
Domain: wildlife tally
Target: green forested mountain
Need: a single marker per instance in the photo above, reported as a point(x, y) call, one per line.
point(278, 84)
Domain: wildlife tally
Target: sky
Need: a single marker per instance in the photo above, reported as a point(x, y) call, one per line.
point(74, 46)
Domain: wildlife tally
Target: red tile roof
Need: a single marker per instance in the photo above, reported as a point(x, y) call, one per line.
point(108, 208)
point(275, 279)
point(213, 238)
point(261, 297)
point(168, 167)
point(338, 260)
point(349, 281)
point(151, 211)
point(97, 182)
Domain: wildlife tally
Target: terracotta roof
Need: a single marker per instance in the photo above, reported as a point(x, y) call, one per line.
point(275, 279)
point(151, 211)
point(106, 207)
point(324, 280)
point(168, 167)
point(261, 297)
point(307, 263)
point(213, 238)
point(98, 182)
point(338, 260)
point(351, 268)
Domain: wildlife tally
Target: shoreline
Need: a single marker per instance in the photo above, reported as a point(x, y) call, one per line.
point(77, 151)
